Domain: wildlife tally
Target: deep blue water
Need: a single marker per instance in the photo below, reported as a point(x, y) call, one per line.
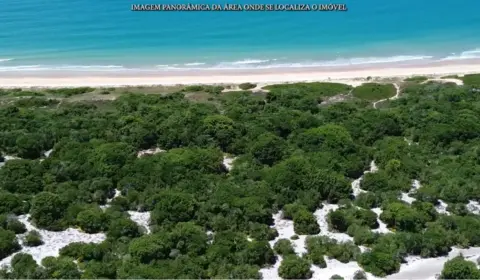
point(86, 34)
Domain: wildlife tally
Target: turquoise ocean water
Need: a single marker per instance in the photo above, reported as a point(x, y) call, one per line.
point(106, 35)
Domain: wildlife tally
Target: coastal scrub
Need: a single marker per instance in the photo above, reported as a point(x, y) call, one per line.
point(374, 91)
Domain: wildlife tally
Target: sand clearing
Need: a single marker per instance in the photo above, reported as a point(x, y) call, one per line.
point(53, 241)
point(142, 219)
point(321, 215)
point(442, 207)
point(422, 269)
point(356, 183)
point(7, 158)
point(48, 153)
point(391, 98)
point(286, 230)
point(474, 207)
point(346, 270)
point(415, 268)
point(407, 196)
point(447, 80)
point(151, 151)
point(228, 162)
point(382, 228)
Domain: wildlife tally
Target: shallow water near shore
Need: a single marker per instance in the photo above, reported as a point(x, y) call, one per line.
point(107, 36)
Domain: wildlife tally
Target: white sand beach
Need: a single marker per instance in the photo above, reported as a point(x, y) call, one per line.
point(350, 75)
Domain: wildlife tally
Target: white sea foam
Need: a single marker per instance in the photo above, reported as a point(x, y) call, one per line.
point(249, 61)
point(262, 64)
point(284, 63)
point(22, 68)
point(62, 68)
point(245, 63)
point(194, 64)
point(470, 54)
point(373, 60)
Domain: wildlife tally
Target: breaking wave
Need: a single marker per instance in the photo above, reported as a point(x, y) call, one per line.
point(248, 63)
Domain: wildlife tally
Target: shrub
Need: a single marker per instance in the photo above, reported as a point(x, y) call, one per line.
point(341, 219)
point(416, 79)
point(262, 232)
point(304, 222)
point(33, 239)
point(35, 102)
point(317, 256)
point(472, 80)
point(193, 88)
point(459, 268)
point(213, 89)
point(16, 226)
point(316, 88)
point(8, 243)
point(367, 200)
point(67, 92)
point(246, 86)
point(374, 91)
point(294, 267)
point(92, 220)
point(283, 247)
point(360, 275)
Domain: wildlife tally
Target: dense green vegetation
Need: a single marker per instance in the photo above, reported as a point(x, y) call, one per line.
point(451, 77)
point(33, 239)
point(317, 89)
point(374, 91)
point(18, 92)
point(342, 219)
point(246, 86)
point(204, 88)
point(294, 267)
point(291, 155)
point(472, 80)
point(67, 92)
point(283, 247)
point(416, 79)
point(321, 246)
point(459, 268)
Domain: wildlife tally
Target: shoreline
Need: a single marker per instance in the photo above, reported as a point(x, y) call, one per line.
point(169, 78)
